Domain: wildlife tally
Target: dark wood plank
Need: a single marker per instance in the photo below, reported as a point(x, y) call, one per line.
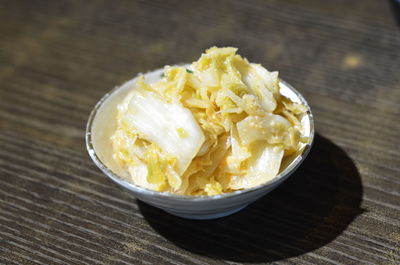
point(57, 58)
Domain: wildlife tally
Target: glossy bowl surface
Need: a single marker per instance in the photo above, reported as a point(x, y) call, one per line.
point(102, 124)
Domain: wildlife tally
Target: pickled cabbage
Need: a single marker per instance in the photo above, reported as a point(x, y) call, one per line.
point(217, 126)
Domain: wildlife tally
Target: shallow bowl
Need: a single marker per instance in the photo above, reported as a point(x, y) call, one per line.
point(102, 124)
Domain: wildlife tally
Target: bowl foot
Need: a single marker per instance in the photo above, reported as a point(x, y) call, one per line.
point(207, 216)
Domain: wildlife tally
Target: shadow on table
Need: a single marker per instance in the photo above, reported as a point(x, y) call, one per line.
point(395, 5)
point(306, 212)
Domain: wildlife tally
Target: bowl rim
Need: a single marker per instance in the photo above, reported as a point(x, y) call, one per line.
point(193, 198)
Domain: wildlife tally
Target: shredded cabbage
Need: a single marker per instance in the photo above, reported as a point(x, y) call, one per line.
point(219, 126)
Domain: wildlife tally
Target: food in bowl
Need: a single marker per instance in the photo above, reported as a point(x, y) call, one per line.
point(216, 126)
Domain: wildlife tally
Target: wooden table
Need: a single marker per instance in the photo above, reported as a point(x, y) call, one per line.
point(57, 58)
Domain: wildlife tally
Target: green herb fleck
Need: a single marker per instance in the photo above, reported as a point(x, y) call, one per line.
point(163, 75)
point(189, 71)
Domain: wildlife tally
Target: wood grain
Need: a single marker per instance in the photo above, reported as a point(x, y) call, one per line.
point(57, 58)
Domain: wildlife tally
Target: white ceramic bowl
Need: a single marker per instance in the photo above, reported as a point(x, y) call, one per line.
point(102, 124)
